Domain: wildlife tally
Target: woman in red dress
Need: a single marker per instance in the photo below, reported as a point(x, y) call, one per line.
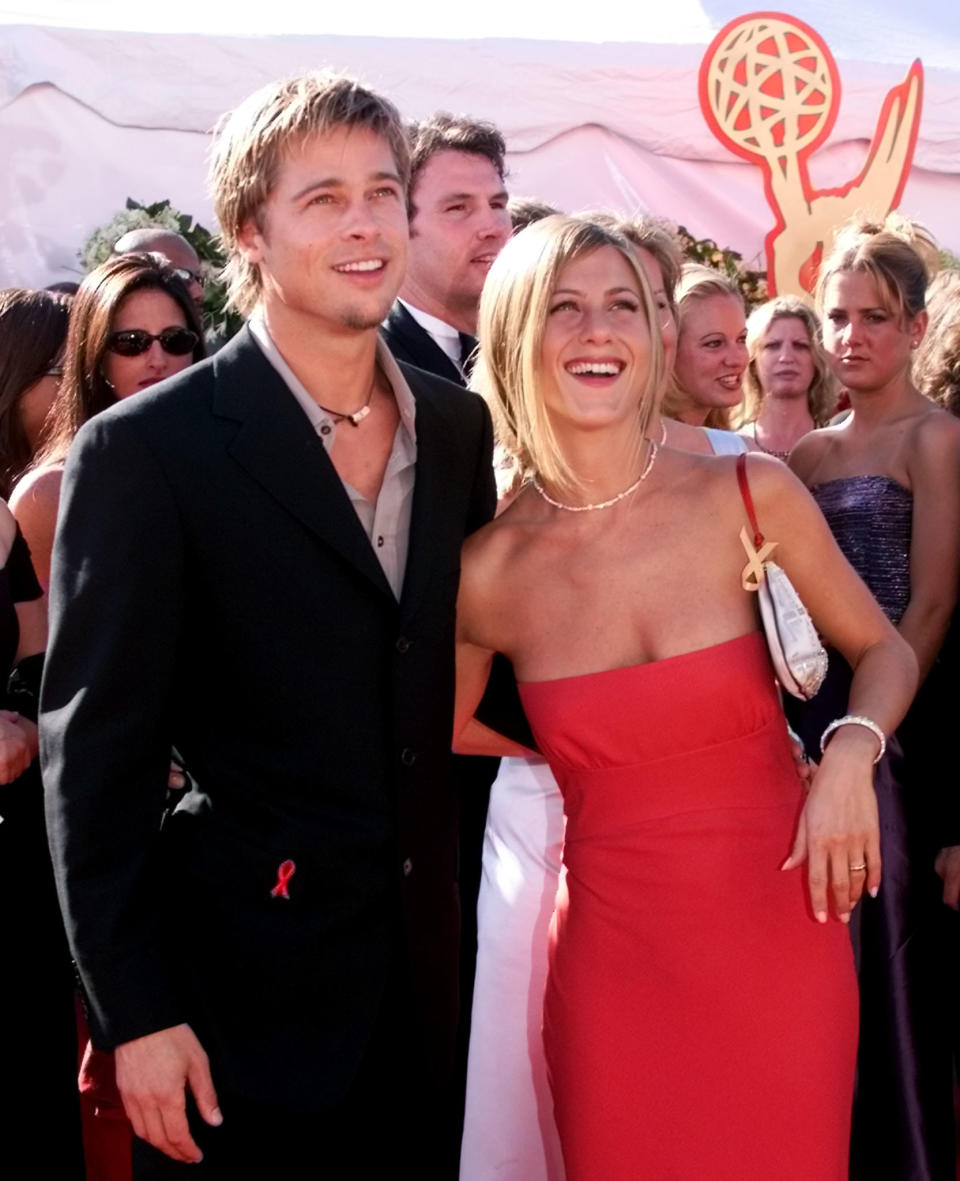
point(700, 1010)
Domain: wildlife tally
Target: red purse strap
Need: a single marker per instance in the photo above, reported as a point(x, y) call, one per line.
point(748, 499)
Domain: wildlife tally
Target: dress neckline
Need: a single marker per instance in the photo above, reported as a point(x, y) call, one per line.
point(863, 476)
point(629, 668)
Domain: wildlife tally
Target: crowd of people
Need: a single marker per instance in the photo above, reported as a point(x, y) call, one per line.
point(473, 478)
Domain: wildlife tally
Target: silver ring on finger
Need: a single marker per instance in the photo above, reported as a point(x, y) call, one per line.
point(861, 868)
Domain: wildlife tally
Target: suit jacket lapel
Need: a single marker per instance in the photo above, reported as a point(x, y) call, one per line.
point(278, 448)
point(422, 350)
point(436, 461)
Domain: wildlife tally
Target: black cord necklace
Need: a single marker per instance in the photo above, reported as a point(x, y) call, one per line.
point(358, 415)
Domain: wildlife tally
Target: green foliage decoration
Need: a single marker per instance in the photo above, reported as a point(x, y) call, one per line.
point(221, 321)
point(753, 284)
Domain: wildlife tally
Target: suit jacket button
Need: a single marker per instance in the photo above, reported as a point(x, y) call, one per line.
point(408, 757)
point(403, 645)
point(407, 868)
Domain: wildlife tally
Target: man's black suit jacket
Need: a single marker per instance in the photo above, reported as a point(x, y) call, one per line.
point(213, 589)
point(413, 345)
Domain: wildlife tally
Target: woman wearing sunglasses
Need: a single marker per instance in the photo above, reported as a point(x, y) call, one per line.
point(132, 324)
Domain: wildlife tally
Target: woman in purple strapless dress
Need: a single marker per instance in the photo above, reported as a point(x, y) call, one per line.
point(888, 483)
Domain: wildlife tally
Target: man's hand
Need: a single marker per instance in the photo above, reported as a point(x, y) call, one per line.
point(152, 1075)
point(805, 768)
point(18, 745)
point(947, 866)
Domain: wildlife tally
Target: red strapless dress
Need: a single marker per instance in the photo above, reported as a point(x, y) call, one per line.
point(699, 1024)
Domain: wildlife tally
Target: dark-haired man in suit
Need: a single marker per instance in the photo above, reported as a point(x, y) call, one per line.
point(257, 561)
point(458, 225)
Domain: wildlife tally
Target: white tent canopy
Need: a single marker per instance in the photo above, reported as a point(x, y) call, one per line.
point(90, 116)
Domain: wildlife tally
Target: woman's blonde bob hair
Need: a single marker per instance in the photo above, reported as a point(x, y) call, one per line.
point(822, 395)
point(513, 315)
point(696, 283)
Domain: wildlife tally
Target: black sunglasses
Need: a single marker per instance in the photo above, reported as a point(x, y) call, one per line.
point(190, 276)
point(134, 341)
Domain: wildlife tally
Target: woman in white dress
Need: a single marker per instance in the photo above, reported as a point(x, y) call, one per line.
point(707, 384)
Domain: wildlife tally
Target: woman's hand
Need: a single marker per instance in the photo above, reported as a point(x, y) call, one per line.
point(839, 830)
point(947, 866)
point(18, 745)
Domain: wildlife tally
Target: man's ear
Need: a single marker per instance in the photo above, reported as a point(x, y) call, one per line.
point(250, 240)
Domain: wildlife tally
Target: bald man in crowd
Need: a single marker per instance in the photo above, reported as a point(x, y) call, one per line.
point(175, 249)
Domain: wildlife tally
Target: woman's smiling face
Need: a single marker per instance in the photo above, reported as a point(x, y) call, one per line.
point(712, 352)
point(596, 347)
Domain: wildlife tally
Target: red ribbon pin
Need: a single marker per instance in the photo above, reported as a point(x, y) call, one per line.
point(284, 874)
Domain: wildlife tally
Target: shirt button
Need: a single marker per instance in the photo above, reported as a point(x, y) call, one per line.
point(403, 645)
point(407, 868)
point(326, 429)
point(408, 757)
point(379, 542)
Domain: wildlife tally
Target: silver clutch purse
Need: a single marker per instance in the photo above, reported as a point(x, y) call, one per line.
point(798, 657)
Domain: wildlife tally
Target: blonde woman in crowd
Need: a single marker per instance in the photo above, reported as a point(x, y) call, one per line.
point(789, 389)
point(669, 1007)
point(888, 482)
point(509, 1129)
point(711, 361)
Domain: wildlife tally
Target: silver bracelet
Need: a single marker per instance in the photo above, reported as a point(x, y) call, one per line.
point(856, 720)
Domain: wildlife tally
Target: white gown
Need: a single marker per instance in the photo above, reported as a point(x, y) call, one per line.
point(509, 1133)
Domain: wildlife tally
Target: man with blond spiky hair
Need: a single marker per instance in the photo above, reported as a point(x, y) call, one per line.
point(257, 562)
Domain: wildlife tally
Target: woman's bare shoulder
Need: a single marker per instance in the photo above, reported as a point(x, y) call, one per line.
point(810, 450)
point(937, 426)
point(37, 487)
point(497, 542)
point(8, 531)
point(34, 503)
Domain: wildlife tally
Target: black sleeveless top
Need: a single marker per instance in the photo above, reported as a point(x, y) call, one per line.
point(18, 584)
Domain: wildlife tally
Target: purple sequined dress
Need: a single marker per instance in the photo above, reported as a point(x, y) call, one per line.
point(903, 1117)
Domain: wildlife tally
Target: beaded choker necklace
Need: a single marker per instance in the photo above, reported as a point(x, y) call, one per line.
point(784, 455)
point(591, 508)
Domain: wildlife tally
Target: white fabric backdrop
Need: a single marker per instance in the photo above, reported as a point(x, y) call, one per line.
point(90, 117)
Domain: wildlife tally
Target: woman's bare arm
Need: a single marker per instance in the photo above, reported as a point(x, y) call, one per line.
point(934, 468)
point(838, 827)
point(474, 658)
point(32, 618)
point(35, 502)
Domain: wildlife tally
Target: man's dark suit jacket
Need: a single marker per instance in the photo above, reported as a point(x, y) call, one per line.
point(213, 589)
point(414, 345)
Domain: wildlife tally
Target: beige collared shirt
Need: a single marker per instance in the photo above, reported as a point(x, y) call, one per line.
point(386, 521)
